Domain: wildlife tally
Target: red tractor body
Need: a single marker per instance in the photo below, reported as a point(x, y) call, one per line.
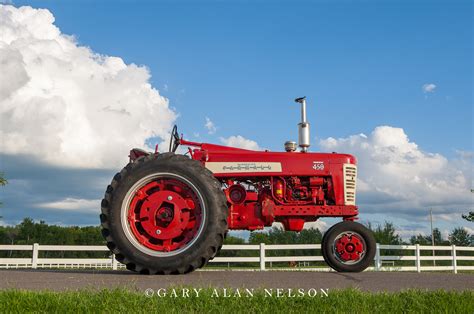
point(169, 213)
point(262, 187)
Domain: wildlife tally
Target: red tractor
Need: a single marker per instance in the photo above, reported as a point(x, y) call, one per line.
point(167, 213)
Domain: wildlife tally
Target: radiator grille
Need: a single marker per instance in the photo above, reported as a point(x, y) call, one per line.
point(350, 177)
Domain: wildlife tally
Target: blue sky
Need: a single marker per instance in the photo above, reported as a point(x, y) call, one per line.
point(362, 64)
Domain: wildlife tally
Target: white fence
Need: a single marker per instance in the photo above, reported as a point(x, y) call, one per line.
point(382, 262)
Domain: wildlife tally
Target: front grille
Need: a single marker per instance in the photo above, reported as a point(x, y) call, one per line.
point(350, 176)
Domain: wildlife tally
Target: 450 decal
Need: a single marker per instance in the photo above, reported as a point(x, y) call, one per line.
point(318, 165)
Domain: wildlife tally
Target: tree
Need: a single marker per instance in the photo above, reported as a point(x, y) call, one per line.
point(459, 236)
point(3, 182)
point(259, 237)
point(420, 239)
point(470, 215)
point(438, 238)
point(233, 240)
point(11, 234)
point(310, 236)
point(426, 240)
point(27, 230)
point(385, 234)
point(277, 235)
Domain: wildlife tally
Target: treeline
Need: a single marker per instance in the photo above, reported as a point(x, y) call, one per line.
point(387, 234)
point(29, 232)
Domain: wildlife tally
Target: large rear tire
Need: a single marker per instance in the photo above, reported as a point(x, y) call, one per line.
point(164, 214)
point(348, 247)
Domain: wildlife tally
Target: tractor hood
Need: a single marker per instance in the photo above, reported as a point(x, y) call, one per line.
point(225, 161)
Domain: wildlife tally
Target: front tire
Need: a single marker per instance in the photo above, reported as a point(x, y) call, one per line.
point(164, 214)
point(324, 251)
point(348, 247)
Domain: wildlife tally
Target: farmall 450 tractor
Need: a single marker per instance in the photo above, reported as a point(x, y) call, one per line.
point(167, 213)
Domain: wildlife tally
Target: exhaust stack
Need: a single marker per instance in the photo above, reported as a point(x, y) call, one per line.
point(303, 126)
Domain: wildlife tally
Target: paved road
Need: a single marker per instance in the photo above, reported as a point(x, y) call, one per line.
point(60, 280)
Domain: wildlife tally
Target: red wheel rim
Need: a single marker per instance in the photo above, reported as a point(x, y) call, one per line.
point(349, 247)
point(164, 214)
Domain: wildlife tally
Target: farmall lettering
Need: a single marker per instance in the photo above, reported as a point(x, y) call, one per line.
point(241, 167)
point(169, 213)
point(318, 165)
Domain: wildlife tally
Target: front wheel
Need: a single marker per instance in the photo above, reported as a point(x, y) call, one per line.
point(348, 247)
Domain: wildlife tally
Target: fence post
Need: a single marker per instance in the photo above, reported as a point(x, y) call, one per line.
point(455, 264)
point(262, 256)
point(378, 262)
point(114, 262)
point(34, 258)
point(418, 261)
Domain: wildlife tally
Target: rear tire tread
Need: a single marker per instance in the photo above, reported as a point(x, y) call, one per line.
point(205, 175)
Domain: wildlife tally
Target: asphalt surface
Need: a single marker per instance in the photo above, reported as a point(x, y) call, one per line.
point(60, 280)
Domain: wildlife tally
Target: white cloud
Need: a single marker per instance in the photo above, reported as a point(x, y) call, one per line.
point(469, 230)
point(73, 204)
point(240, 142)
point(428, 88)
point(397, 178)
point(444, 217)
point(318, 224)
point(68, 105)
point(406, 234)
point(210, 126)
point(444, 234)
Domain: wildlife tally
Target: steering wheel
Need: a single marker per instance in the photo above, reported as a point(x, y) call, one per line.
point(174, 141)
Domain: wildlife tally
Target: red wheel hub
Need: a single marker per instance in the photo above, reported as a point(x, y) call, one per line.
point(349, 247)
point(164, 215)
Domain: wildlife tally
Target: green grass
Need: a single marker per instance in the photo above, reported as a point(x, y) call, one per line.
point(340, 301)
